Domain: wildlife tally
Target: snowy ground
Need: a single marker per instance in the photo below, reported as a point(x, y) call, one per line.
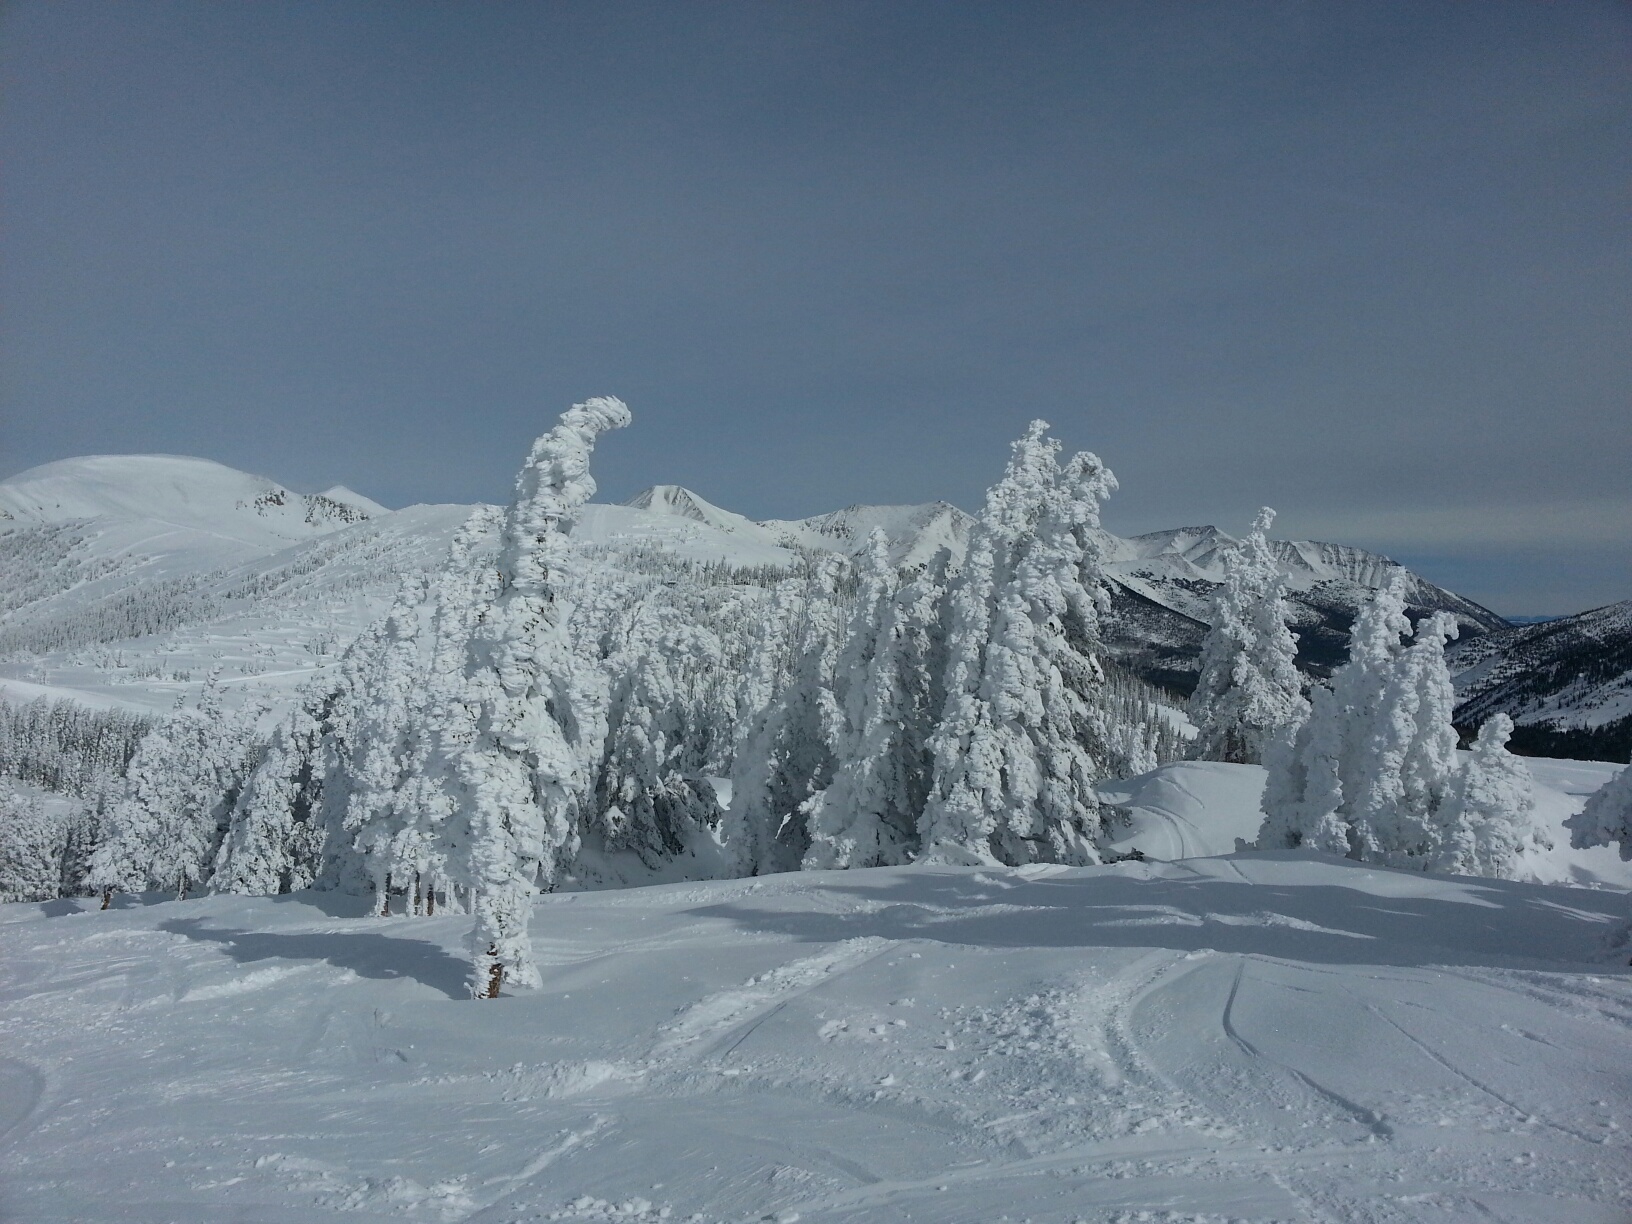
point(1254, 1037)
point(1194, 809)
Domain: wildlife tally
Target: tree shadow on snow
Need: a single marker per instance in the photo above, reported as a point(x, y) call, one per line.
point(1485, 923)
point(385, 957)
point(334, 903)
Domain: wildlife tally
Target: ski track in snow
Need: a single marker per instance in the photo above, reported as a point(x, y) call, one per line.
point(947, 1045)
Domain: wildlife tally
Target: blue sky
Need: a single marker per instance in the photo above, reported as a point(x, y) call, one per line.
point(1365, 263)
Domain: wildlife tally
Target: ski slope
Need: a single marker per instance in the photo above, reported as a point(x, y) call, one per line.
point(1250, 1038)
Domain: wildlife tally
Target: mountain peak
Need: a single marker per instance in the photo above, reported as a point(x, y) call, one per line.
point(368, 507)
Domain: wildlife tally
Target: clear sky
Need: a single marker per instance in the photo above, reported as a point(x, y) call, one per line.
point(1366, 263)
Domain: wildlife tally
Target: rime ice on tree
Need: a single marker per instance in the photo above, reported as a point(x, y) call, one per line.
point(1607, 816)
point(1020, 746)
point(866, 816)
point(1489, 816)
point(1249, 687)
point(538, 714)
point(1369, 772)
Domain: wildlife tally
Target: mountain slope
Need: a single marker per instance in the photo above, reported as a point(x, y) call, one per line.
point(127, 578)
point(1567, 683)
point(183, 493)
point(1169, 578)
point(916, 533)
point(119, 573)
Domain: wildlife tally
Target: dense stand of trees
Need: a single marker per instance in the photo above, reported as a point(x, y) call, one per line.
point(540, 712)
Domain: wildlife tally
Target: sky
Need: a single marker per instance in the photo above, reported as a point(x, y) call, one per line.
point(1365, 263)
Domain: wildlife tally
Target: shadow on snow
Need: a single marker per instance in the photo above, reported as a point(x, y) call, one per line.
point(1493, 923)
point(386, 957)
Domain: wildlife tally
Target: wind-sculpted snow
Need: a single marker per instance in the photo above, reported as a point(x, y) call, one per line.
point(1272, 1037)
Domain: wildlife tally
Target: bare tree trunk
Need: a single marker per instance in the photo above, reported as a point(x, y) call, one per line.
point(385, 897)
point(495, 975)
point(107, 897)
point(419, 901)
point(430, 901)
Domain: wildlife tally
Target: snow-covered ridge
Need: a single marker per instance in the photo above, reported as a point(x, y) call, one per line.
point(85, 534)
point(179, 491)
point(916, 533)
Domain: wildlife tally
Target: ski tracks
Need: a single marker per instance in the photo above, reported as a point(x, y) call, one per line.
point(718, 1023)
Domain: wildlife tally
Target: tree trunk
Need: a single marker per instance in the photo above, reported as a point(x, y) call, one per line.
point(430, 901)
point(107, 898)
point(495, 975)
point(419, 900)
point(385, 897)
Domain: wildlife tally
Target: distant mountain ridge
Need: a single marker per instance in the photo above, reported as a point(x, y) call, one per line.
point(284, 579)
point(1167, 579)
point(176, 489)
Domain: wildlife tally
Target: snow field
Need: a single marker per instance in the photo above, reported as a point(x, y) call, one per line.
point(1273, 1037)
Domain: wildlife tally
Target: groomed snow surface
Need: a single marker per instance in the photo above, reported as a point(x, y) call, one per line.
point(1247, 1037)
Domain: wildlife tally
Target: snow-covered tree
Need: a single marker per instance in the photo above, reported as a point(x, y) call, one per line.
point(1020, 746)
point(443, 725)
point(867, 816)
point(372, 818)
point(1367, 773)
point(1249, 687)
point(1398, 762)
point(274, 841)
point(1606, 817)
point(540, 711)
point(32, 844)
point(1489, 816)
point(789, 755)
point(651, 795)
point(775, 648)
point(1312, 771)
point(180, 788)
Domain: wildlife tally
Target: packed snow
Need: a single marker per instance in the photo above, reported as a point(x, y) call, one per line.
point(1257, 1037)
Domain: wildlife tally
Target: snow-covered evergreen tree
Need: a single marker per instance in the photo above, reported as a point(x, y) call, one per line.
point(1367, 773)
point(652, 797)
point(867, 815)
point(1606, 816)
point(1020, 745)
point(372, 817)
point(1413, 831)
point(32, 844)
point(443, 725)
point(790, 753)
point(274, 841)
point(540, 711)
point(1489, 816)
point(180, 788)
point(1312, 770)
point(1249, 686)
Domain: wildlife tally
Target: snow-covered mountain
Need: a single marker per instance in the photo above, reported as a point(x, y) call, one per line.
point(1567, 683)
point(127, 578)
point(1167, 579)
point(185, 494)
point(1164, 579)
point(676, 518)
